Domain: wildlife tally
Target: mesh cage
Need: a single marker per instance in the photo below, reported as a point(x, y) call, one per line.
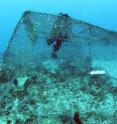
point(28, 44)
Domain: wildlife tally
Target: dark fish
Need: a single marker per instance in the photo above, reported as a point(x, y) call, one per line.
point(15, 82)
point(77, 118)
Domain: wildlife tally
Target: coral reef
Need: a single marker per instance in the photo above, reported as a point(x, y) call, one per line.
point(47, 97)
point(6, 75)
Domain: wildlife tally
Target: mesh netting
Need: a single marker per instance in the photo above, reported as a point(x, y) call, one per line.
point(28, 44)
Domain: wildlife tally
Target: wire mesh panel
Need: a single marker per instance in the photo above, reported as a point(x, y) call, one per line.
point(28, 44)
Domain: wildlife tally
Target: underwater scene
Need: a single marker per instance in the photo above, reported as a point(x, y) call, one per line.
point(58, 70)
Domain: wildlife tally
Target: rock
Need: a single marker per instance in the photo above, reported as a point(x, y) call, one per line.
point(21, 81)
point(50, 65)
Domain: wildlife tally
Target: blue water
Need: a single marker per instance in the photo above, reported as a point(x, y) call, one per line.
point(98, 12)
